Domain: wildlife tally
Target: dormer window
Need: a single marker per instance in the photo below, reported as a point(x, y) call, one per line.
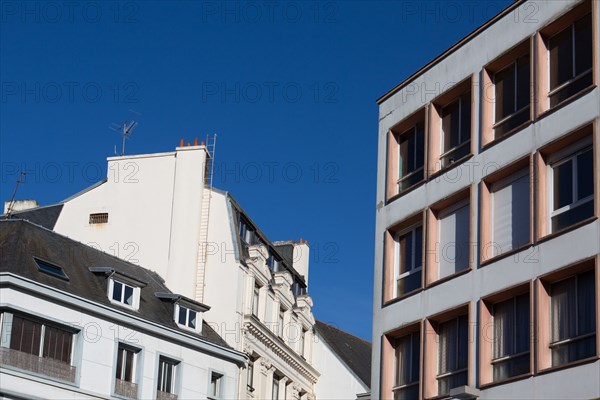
point(186, 317)
point(246, 232)
point(123, 293)
point(123, 290)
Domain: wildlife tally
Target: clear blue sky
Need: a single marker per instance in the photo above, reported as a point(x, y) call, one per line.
point(288, 86)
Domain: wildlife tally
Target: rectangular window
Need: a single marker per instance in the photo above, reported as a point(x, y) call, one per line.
point(411, 156)
point(571, 59)
point(166, 375)
point(122, 293)
point(275, 394)
point(99, 218)
point(280, 324)
point(255, 295)
point(38, 346)
point(125, 364)
point(456, 129)
point(573, 318)
point(572, 183)
point(302, 339)
point(125, 374)
point(511, 340)
point(250, 376)
point(512, 96)
point(453, 239)
point(453, 342)
point(510, 206)
point(215, 385)
point(409, 260)
point(41, 339)
point(246, 232)
point(407, 349)
point(186, 317)
point(50, 268)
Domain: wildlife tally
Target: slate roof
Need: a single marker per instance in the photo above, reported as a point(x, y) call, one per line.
point(43, 216)
point(353, 351)
point(21, 241)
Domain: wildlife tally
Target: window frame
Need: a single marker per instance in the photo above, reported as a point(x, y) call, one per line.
point(497, 123)
point(188, 312)
point(175, 373)
point(432, 243)
point(215, 385)
point(563, 156)
point(135, 296)
point(544, 158)
point(395, 385)
point(255, 300)
point(487, 332)
point(411, 230)
point(554, 343)
point(7, 326)
point(544, 312)
point(431, 343)
point(488, 93)
point(488, 186)
point(393, 158)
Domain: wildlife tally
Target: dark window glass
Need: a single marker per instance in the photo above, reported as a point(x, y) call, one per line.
point(50, 268)
point(585, 174)
point(563, 184)
point(57, 344)
point(182, 315)
point(573, 318)
point(410, 259)
point(561, 58)
point(571, 55)
point(26, 336)
point(456, 129)
point(128, 295)
point(117, 291)
point(453, 354)
point(505, 92)
point(512, 96)
point(407, 366)
point(511, 337)
point(412, 153)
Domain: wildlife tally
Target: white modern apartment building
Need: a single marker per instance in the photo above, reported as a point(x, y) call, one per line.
point(76, 323)
point(159, 211)
point(487, 250)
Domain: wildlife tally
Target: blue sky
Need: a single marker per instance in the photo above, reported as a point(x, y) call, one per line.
point(288, 86)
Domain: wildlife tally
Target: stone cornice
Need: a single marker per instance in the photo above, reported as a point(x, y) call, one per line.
point(282, 350)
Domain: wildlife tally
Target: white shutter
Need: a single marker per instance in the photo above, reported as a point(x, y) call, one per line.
point(510, 214)
point(453, 254)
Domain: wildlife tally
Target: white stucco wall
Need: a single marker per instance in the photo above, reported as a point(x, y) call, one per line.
point(95, 353)
point(337, 382)
point(153, 203)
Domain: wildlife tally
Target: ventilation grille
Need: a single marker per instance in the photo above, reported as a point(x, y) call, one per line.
point(99, 218)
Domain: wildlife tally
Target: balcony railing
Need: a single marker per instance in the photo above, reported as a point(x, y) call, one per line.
point(165, 396)
point(126, 389)
point(40, 365)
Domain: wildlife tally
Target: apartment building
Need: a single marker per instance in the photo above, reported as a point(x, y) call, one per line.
point(160, 211)
point(487, 249)
point(77, 323)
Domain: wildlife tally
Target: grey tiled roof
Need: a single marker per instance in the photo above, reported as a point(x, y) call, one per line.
point(353, 351)
point(21, 241)
point(43, 216)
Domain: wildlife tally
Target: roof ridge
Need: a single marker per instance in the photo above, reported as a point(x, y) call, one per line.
point(343, 331)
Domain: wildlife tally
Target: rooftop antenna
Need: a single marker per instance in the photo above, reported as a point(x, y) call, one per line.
point(125, 130)
point(12, 200)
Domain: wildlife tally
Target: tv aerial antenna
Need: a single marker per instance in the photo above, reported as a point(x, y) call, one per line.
point(125, 130)
point(12, 200)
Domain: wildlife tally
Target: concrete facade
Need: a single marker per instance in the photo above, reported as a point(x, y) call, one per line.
point(425, 206)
